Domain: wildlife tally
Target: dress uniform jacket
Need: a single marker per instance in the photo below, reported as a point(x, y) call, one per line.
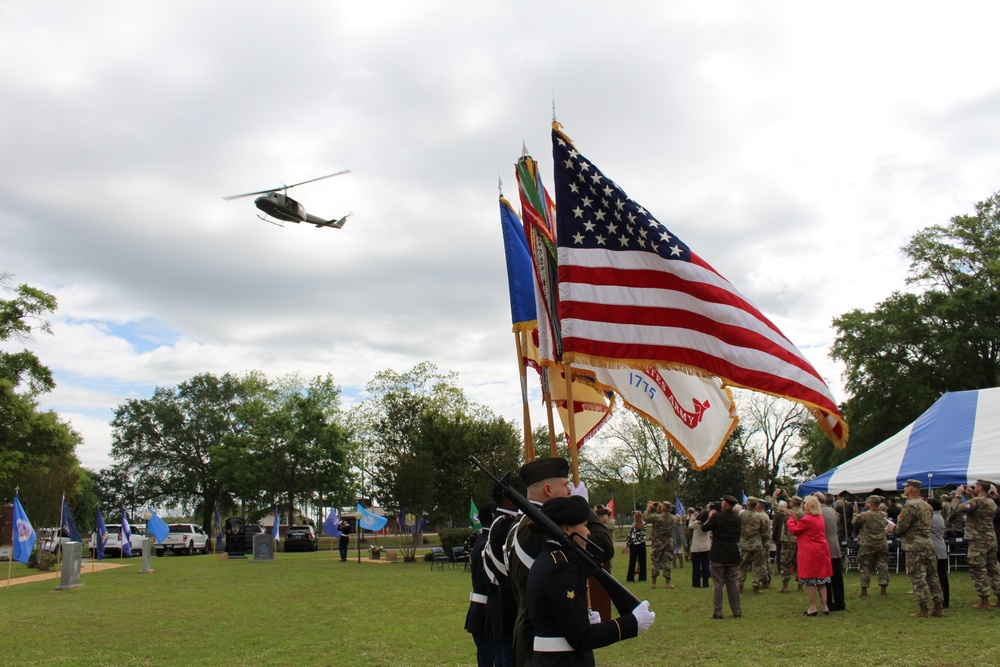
point(557, 609)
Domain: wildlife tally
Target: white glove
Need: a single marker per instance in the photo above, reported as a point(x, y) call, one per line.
point(579, 490)
point(595, 617)
point(644, 616)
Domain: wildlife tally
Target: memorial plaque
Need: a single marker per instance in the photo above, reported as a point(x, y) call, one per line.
point(72, 557)
point(147, 554)
point(235, 536)
point(263, 548)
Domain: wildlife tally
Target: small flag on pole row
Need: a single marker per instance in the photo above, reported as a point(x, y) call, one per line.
point(68, 525)
point(100, 536)
point(126, 536)
point(332, 524)
point(276, 527)
point(371, 521)
point(611, 507)
point(155, 526)
point(474, 516)
point(23, 534)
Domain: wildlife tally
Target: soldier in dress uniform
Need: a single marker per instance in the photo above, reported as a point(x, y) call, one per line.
point(477, 620)
point(501, 604)
point(982, 555)
point(660, 523)
point(914, 532)
point(566, 632)
point(874, 546)
point(544, 479)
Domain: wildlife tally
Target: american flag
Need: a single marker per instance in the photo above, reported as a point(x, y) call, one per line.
point(633, 294)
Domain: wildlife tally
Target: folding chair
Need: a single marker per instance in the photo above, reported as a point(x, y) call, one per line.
point(438, 558)
point(458, 555)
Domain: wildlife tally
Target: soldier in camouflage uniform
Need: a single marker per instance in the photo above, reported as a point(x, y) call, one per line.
point(789, 552)
point(955, 523)
point(763, 565)
point(874, 551)
point(914, 531)
point(660, 520)
point(982, 556)
point(750, 545)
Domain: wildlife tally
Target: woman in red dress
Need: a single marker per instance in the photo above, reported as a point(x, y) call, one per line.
point(815, 567)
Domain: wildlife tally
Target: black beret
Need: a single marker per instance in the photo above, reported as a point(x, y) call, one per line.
point(541, 469)
point(568, 511)
point(730, 499)
point(515, 483)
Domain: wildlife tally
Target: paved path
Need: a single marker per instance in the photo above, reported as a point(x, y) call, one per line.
point(85, 568)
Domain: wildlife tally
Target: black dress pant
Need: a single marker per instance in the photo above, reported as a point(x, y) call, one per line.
point(636, 562)
point(835, 589)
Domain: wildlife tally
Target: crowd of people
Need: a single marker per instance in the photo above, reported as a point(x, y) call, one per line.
point(531, 603)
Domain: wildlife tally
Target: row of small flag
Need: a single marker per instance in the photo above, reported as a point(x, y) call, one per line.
point(24, 534)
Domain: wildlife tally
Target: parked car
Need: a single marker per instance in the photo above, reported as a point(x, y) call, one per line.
point(52, 539)
point(184, 538)
point(113, 545)
point(300, 538)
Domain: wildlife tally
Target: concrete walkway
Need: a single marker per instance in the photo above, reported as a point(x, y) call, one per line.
point(85, 568)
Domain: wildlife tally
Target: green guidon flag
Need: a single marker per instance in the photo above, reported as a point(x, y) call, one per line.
point(474, 516)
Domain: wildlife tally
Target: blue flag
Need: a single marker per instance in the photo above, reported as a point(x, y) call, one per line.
point(155, 526)
point(126, 536)
point(331, 525)
point(520, 270)
point(744, 500)
point(678, 506)
point(68, 526)
point(100, 536)
point(218, 529)
point(276, 528)
point(23, 535)
point(370, 521)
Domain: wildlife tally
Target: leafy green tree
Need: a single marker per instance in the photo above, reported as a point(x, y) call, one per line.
point(942, 335)
point(181, 438)
point(730, 474)
point(299, 442)
point(37, 449)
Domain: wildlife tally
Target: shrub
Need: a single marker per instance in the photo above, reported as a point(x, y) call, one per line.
point(452, 537)
point(42, 560)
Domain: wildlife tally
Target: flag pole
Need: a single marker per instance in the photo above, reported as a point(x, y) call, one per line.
point(529, 443)
point(547, 398)
point(571, 422)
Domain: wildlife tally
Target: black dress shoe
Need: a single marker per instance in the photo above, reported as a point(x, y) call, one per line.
point(716, 617)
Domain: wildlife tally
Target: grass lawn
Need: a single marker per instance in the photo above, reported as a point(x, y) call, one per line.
point(311, 609)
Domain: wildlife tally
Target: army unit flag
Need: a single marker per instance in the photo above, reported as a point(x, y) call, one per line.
point(67, 524)
point(23, 535)
point(370, 521)
point(474, 516)
point(100, 536)
point(126, 536)
point(632, 294)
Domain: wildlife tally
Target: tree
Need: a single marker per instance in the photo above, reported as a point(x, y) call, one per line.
point(298, 441)
point(771, 430)
point(728, 475)
point(37, 449)
point(183, 438)
point(943, 335)
point(417, 430)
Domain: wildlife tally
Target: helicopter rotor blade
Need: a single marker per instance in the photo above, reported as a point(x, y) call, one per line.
point(319, 178)
point(251, 194)
point(287, 187)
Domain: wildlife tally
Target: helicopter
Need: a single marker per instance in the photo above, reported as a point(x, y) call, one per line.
point(277, 204)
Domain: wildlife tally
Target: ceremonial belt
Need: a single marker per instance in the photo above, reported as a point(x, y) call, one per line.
point(477, 597)
point(552, 645)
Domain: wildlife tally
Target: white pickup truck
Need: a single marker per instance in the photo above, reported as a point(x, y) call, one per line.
point(184, 538)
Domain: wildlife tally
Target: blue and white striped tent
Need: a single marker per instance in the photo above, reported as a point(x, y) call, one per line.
point(956, 441)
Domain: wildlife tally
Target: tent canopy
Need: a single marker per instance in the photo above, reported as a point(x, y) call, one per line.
point(956, 441)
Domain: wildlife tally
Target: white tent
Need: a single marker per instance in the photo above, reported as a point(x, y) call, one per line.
point(956, 441)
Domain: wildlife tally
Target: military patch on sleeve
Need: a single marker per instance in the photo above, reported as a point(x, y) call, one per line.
point(570, 595)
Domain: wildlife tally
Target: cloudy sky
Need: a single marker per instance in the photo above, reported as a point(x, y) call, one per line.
point(795, 146)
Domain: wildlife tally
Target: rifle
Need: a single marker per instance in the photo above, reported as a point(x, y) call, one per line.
point(621, 597)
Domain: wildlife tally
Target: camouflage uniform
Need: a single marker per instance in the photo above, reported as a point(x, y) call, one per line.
point(874, 551)
point(789, 552)
point(763, 565)
point(751, 545)
point(914, 531)
point(661, 530)
point(955, 523)
point(982, 556)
